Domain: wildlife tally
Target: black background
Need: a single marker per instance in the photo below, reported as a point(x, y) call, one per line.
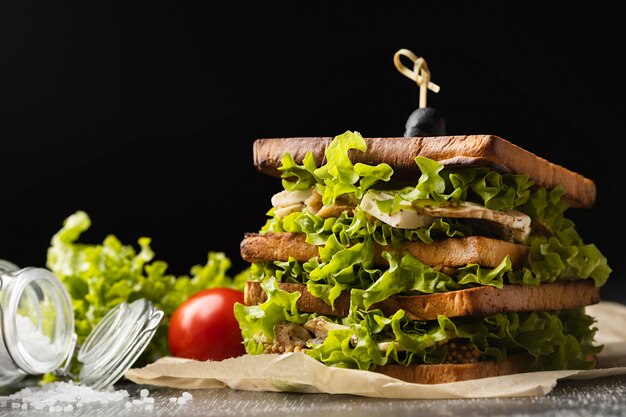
point(144, 115)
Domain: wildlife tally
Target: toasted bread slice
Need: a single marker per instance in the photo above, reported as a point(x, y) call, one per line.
point(477, 301)
point(452, 252)
point(473, 150)
point(442, 373)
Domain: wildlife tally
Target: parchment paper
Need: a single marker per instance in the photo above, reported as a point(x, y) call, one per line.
point(296, 372)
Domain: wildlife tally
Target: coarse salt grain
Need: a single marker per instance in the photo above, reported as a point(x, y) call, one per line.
point(144, 393)
point(186, 395)
point(173, 399)
point(181, 400)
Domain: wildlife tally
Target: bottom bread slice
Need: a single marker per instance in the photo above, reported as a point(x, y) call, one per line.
point(443, 373)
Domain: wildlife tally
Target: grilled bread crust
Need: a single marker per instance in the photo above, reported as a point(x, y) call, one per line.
point(477, 301)
point(469, 150)
point(451, 252)
point(443, 373)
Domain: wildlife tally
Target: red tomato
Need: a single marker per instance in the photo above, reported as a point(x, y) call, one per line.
point(204, 326)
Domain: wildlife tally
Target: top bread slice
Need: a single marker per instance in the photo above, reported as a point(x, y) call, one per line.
point(399, 152)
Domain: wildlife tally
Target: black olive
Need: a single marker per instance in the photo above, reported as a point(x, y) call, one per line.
point(425, 121)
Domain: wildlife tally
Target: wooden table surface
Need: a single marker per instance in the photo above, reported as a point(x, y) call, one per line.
point(597, 397)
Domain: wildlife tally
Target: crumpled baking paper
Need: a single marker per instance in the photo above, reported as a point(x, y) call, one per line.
point(297, 372)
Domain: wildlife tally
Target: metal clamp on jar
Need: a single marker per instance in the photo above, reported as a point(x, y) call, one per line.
point(37, 337)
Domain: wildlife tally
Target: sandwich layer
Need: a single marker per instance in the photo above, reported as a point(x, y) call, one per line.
point(443, 373)
point(472, 150)
point(477, 301)
point(453, 252)
point(369, 339)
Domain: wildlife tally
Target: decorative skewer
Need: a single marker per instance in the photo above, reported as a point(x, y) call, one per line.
point(420, 73)
point(425, 121)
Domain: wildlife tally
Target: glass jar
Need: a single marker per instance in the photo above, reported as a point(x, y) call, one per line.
point(37, 337)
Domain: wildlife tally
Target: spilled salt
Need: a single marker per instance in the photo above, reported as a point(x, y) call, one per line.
point(60, 396)
point(66, 397)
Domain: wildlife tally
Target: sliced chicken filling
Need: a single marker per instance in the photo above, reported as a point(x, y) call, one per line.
point(510, 225)
point(287, 202)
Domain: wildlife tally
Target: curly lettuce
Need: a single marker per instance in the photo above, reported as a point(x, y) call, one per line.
point(353, 227)
point(100, 276)
point(492, 189)
point(257, 322)
point(551, 260)
point(339, 176)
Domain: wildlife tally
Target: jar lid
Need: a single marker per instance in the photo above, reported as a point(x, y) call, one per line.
point(8, 266)
point(116, 342)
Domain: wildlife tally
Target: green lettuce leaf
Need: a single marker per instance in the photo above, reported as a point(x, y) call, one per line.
point(257, 322)
point(303, 174)
point(551, 260)
point(100, 276)
point(339, 176)
point(548, 337)
point(548, 208)
point(437, 185)
point(350, 228)
point(407, 275)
